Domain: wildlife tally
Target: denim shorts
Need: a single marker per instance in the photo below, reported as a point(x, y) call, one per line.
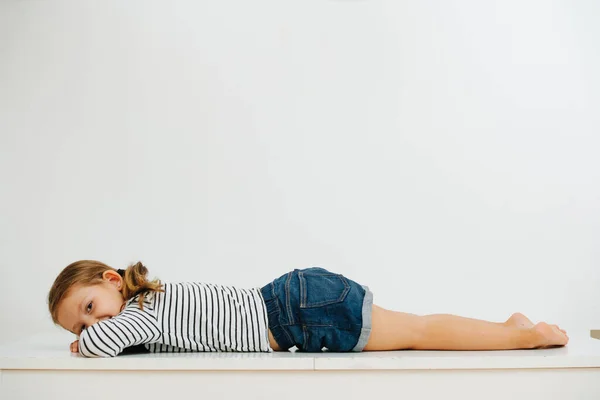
point(314, 309)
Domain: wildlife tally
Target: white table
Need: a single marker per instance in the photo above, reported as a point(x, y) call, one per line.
point(41, 367)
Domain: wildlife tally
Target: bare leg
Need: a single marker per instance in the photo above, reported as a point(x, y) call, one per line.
point(393, 330)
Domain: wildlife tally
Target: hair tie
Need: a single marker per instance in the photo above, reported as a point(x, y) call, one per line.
point(121, 272)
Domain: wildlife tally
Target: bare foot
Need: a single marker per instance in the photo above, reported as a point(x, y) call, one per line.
point(519, 320)
point(549, 336)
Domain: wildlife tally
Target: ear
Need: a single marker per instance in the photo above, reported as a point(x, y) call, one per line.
point(113, 278)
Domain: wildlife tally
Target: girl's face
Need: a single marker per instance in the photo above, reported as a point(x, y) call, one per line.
point(85, 305)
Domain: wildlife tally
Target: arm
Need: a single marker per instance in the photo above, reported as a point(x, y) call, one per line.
point(110, 337)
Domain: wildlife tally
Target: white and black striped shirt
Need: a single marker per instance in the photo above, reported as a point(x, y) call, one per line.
point(185, 317)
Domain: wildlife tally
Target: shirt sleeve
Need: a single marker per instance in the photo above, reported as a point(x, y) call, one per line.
point(110, 337)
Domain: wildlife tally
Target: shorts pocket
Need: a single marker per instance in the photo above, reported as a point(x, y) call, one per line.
point(319, 287)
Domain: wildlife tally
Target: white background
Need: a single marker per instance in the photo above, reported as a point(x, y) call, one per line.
point(444, 153)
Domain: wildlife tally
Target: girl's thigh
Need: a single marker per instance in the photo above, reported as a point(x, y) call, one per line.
point(393, 330)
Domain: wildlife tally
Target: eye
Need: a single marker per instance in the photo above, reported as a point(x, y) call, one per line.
point(89, 307)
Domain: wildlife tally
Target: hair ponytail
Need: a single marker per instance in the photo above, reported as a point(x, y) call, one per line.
point(135, 283)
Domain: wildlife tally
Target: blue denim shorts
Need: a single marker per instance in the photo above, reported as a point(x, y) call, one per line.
point(314, 309)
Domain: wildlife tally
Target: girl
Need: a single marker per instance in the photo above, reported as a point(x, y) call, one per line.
point(114, 311)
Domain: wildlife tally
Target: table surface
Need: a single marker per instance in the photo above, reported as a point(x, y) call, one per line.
point(50, 351)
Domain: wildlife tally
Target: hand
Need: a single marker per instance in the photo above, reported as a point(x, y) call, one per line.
point(75, 346)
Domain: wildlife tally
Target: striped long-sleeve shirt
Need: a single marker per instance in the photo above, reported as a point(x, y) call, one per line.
point(185, 317)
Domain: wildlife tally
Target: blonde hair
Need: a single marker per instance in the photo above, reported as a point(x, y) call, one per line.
point(89, 273)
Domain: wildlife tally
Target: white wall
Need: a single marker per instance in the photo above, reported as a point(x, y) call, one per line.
point(445, 153)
